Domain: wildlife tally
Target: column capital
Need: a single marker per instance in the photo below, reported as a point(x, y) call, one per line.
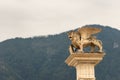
point(84, 58)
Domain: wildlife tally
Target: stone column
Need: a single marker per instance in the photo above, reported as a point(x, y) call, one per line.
point(84, 64)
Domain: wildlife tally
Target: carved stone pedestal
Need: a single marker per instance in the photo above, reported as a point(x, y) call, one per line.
point(84, 64)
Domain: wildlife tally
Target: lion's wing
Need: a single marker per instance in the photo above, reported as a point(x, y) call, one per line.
point(86, 32)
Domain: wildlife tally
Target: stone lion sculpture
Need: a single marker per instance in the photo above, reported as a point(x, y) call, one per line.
point(83, 37)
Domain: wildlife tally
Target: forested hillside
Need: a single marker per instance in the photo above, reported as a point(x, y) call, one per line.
point(42, 58)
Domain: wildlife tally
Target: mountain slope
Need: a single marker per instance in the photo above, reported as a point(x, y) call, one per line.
point(42, 58)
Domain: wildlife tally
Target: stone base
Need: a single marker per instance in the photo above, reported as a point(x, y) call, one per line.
point(84, 64)
point(92, 58)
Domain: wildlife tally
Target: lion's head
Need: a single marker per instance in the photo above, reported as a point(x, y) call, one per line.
point(70, 35)
point(73, 35)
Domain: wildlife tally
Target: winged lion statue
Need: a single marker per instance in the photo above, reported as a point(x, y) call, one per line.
point(83, 37)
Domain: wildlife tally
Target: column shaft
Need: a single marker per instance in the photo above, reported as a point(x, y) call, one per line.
point(85, 71)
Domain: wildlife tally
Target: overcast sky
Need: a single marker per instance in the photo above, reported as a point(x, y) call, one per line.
point(27, 18)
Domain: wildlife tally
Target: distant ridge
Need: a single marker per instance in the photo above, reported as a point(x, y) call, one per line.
point(42, 58)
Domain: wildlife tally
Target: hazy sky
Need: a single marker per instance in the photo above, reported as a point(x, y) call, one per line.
point(27, 18)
